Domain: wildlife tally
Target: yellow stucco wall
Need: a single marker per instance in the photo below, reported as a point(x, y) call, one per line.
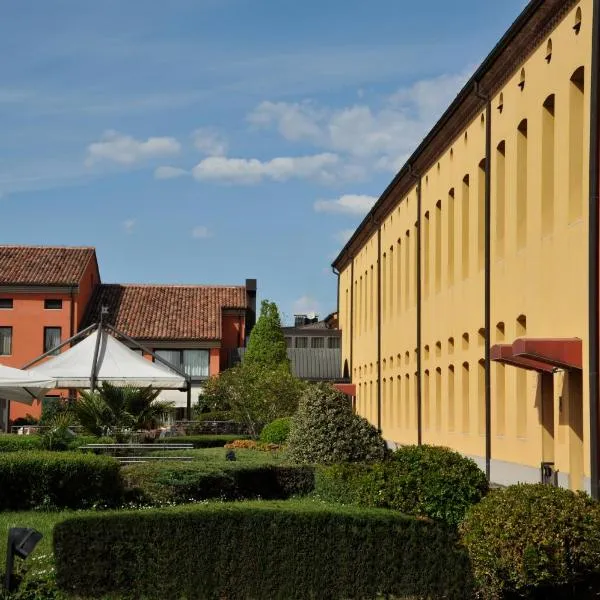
point(539, 246)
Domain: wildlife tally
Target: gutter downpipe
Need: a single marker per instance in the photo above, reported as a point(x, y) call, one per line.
point(379, 306)
point(487, 278)
point(351, 319)
point(417, 178)
point(594, 259)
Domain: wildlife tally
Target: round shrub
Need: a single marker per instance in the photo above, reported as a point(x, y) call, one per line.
point(435, 481)
point(425, 481)
point(277, 431)
point(532, 541)
point(325, 430)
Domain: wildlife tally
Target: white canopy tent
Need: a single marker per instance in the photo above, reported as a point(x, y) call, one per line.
point(93, 361)
point(23, 386)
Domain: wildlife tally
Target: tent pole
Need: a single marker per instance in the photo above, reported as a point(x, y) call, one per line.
point(189, 400)
point(94, 374)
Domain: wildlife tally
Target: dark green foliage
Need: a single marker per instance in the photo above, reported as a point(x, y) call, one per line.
point(324, 430)
point(202, 441)
point(216, 415)
point(9, 442)
point(266, 346)
point(161, 483)
point(58, 479)
point(534, 541)
point(26, 420)
point(275, 551)
point(424, 481)
point(277, 431)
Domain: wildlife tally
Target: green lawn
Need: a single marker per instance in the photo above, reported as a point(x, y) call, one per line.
point(213, 459)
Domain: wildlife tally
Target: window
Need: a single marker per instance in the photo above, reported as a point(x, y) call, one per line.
point(193, 362)
point(288, 341)
point(5, 341)
point(51, 339)
point(53, 304)
point(301, 342)
point(333, 342)
point(6, 302)
point(317, 342)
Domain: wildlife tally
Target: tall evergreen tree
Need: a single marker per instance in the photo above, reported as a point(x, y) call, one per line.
point(266, 346)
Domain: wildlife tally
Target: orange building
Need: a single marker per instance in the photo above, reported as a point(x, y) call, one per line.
point(47, 294)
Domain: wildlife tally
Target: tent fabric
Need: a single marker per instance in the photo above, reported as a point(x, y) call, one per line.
point(16, 385)
point(116, 364)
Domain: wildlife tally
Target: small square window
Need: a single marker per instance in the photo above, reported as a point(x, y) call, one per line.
point(317, 342)
point(333, 342)
point(52, 304)
point(301, 342)
point(6, 303)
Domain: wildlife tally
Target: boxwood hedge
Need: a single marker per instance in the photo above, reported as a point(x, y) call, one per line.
point(286, 550)
point(10, 442)
point(177, 483)
point(58, 479)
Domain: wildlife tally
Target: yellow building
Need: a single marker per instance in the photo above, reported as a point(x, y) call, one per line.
point(468, 296)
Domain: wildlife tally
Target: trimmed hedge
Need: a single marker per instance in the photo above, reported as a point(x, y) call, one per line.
point(424, 481)
point(287, 551)
point(534, 541)
point(178, 483)
point(10, 442)
point(277, 431)
point(58, 479)
point(202, 441)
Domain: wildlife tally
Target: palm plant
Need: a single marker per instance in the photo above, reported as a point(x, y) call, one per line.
point(112, 408)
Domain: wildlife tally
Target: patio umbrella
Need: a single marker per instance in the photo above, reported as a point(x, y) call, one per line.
point(23, 386)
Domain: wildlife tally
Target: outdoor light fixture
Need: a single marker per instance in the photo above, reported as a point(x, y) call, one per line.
point(21, 542)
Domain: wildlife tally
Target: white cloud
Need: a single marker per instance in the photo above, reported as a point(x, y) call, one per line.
point(129, 225)
point(379, 137)
point(343, 236)
point(306, 305)
point(210, 142)
point(125, 150)
point(349, 204)
point(201, 232)
point(169, 172)
point(320, 167)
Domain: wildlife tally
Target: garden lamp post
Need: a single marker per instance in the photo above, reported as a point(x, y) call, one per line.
point(21, 542)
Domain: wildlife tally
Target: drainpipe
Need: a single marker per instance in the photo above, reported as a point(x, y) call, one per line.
point(351, 318)
point(593, 303)
point(379, 307)
point(487, 278)
point(417, 178)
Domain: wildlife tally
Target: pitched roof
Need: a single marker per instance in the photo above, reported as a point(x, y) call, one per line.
point(166, 312)
point(43, 265)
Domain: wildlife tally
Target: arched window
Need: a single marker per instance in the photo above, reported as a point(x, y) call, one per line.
point(549, 51)
point(522, 80)
point(577, 25)
point(501, 102)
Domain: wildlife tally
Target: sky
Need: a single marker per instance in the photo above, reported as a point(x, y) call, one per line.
point(210, 141)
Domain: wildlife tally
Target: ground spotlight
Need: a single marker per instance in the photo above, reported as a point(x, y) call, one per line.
point(21, 543)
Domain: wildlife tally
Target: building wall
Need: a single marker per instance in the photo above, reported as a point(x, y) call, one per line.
point(539, 245)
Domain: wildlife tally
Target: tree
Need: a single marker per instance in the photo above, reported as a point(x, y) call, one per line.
point(266, 345)
point(255, 393)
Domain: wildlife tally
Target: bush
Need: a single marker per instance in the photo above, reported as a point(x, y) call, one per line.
point(277, 431)
point(201, 441)
point(178, 483)
point(9, 442)
point(215, 415)
point(280, 551)
point(533, 540)
point(65, 480)
point(424, 481)
point(324, 430)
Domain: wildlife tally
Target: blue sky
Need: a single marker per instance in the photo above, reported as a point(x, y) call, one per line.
point(207, 141)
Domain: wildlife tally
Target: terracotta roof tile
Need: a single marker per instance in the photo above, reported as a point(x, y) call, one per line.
point(43, 265)
point(166, 312)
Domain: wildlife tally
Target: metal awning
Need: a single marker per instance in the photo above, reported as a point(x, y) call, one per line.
point(543, 355)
